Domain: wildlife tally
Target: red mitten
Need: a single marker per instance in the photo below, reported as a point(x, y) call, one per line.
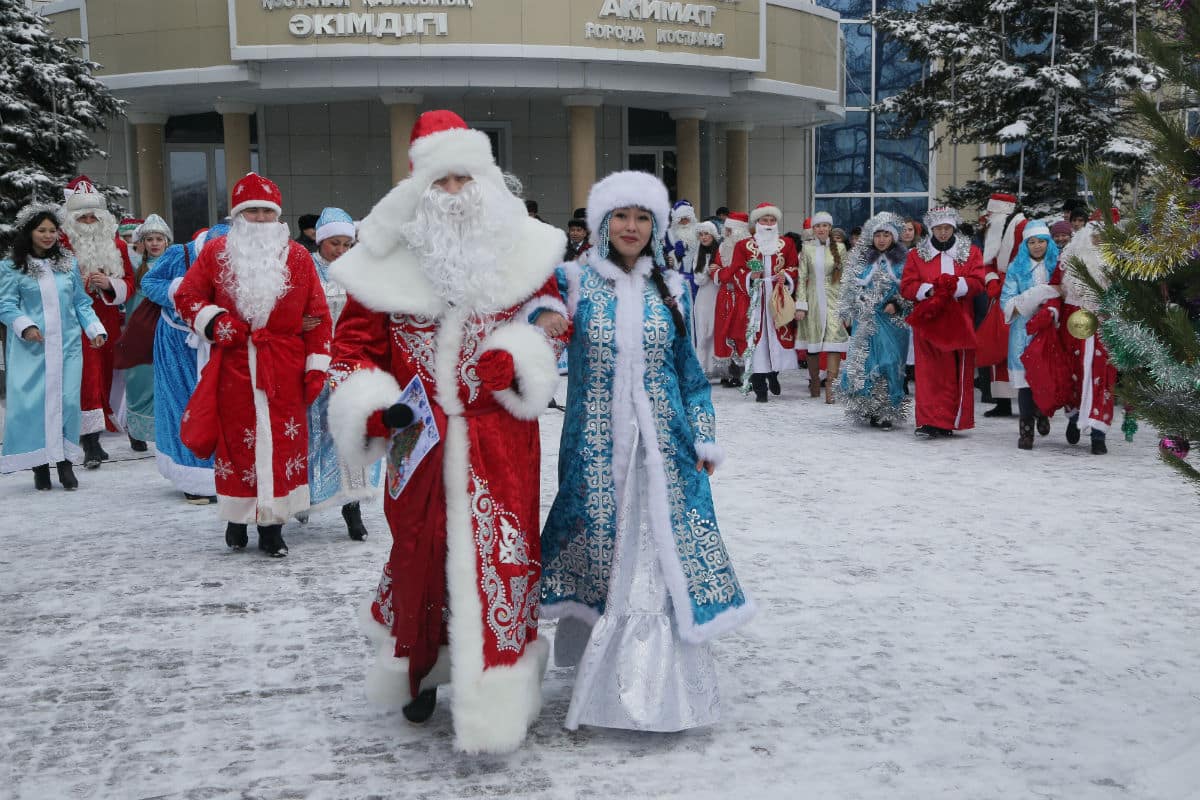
point(314, 382)
point(946, 284)
point(1041, 321)
point(994, 287)
point(496, 370)
point(226, 330)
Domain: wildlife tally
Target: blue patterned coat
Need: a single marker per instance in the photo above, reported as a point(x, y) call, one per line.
point(628, 367)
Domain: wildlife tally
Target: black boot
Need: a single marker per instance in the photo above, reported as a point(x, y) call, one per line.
point(1025, 431)
point(1043, 425)
point(270, 541)
point(773, 383)
point(199, 499)
point(66, 476)
point(1003, 409)
point(1073, 430)
point(137, 445)
point(910, 375)
point(236, 536)
point(352, 513)
point(93, 456)
point(758, 382)
point(420, 708)
point(1099, 447)
point(41, 478)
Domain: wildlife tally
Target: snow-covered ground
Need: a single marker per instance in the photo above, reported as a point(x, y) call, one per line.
point(950, 619)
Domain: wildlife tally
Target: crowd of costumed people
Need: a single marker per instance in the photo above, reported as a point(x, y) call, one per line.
point(408, 356)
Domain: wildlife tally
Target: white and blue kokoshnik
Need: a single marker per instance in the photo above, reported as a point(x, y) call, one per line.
point(672, 408)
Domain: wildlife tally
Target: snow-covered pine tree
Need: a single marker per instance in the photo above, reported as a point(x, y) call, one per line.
point(997, 74)
point(1150, 311)
point(50, 104)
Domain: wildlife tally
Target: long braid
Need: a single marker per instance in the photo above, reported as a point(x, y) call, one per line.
point(660, 284)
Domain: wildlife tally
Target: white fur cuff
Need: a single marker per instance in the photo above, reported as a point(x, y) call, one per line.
point(22, 324)
point(924, 291)
point(203, 317)
point(711, 452)
point(351, 404)
point(172, 288)
point(95, 329)
point(960, 288)
point(536, 368)
point(317, 361)
point(120, 291)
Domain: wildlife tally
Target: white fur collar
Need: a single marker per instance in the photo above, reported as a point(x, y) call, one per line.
point(612, 272)
point(394, 282)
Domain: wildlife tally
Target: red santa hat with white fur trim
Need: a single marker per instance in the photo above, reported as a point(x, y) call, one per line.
point(255, 191)
point(763, 209)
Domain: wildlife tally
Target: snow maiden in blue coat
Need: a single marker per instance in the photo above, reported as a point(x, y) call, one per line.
point(48, 314)
point(633, 562)
point(872, 382)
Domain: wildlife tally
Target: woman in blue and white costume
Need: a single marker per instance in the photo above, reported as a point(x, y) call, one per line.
point(633, 563)
point(1026, 288)
point(330, 481)
point(179, 357)
point(48, 314)
point(872, 384)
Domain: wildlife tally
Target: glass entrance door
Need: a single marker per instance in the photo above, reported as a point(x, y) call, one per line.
point(198, 196)
point(658, 161)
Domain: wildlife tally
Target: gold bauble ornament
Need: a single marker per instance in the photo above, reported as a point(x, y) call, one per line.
point(1082, 324)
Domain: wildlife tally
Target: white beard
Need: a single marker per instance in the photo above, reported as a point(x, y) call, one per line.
point(993, 237)
point(254, 267)
point(727, 247)
point(767, 237)
point(1081, 247)
point(462, 240)
point(686, 234)
point(95, 245)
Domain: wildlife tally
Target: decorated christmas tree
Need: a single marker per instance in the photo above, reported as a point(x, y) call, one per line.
point(50, 104)
point(1150, 310)
point(1044, 84)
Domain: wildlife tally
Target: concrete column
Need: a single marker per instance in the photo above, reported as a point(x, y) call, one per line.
point(235, 120)
point(737, 166)
point(581, 110)
point(687, 154)
point(148, 133)
point(402, 115)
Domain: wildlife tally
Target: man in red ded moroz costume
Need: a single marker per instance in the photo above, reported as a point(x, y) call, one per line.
point(733, 304)
point(1005, 232)
point(448, 273)
point(248, 294)
point(90, 231)
point(766, 264)
point(942, 275)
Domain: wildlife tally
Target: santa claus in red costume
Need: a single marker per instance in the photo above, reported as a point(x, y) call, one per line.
point(733, 304)
point(90, 231)
point(942, 275)
point(249, 294)
point(766, 264)
point(448, 273)
point(1006, 226)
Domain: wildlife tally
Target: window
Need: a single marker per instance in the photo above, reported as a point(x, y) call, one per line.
point(861, 166)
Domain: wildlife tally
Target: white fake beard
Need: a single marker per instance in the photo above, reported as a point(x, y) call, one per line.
point(254, 267)
point(727, 246)
point(462, 239)
point(94, 244)
point(686, 234)
point(1081, 247)
point(767, 237)
point(993, 238)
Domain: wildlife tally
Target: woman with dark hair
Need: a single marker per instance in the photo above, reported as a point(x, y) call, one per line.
point(705, 310)
point(48, 313)
point(872, 384)
point(634, 566)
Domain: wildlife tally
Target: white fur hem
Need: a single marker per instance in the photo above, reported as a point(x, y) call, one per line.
point(351, 404)
point(711, 452)
point(187, 479)
point(493, 712)
point(536, 368)
point(569, 609)
point(203, 317)
point(387, 679)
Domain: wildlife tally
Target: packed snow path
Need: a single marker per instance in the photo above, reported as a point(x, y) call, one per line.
point(950, 619)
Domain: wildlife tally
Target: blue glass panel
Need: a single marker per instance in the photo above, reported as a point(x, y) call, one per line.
point(847, 212)
point(907, 207)
point(898, 5)
point(849, 9)
point(893, 71)
point(843, 150)
point(901, 165)
point(858, 65)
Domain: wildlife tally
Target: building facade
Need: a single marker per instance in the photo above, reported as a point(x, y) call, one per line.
point(720, 98)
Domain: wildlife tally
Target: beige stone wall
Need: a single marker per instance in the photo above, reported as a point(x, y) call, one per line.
point(780, 173)
point(112, 169)
point(151, 35)
point(802, 48)
point(67, 24)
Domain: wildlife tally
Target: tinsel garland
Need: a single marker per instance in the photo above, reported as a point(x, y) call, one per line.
point(752, 327)
point(1170, 239)
point(925, 249)
point(1133, 346)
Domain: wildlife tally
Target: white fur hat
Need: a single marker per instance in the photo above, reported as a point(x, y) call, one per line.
point(630, 188)
point(84, 198)
point(1035, 228)
point(708, 227)
point(822, 217)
